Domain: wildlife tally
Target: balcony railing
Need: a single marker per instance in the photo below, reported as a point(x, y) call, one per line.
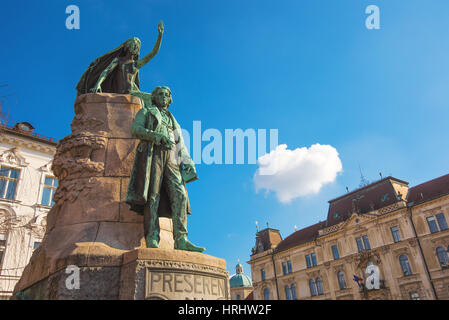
point(10, 128)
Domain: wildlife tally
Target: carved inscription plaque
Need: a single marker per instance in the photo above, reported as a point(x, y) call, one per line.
point(174, 284)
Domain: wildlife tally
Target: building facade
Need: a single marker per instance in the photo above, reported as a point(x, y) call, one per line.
point(27, 186)
point(382, 241)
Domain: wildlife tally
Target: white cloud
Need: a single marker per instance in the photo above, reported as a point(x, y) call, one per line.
point(297, 173)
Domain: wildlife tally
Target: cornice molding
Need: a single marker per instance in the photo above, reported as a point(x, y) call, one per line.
point(27, 144)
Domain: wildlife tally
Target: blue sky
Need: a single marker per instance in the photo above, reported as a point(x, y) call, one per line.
point(310, 69)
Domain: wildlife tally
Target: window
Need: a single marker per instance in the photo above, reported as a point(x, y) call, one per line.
point(414, 296)
point(366, 242)
point(293, 289)
point(50, 185)
point(363, 243)
point(288, 292)
point(238, 297)
point(284, 268)
point(432, 224)
point(441, 221)
point(8, 182)
point(335, 252)
point(405, 265)
point(395, 234)
point(2, 246)
point(341, 280)
point(262, 274)
point(442, 257)
point(319, 285)
point(36, 245)
point(311, 260)
point(308, 261)
point(359, 244)
point(312, 286)
point(266, 294)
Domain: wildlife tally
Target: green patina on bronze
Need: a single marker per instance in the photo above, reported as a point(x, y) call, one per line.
point(118, 70)
point(162, 165)
point(157, 186)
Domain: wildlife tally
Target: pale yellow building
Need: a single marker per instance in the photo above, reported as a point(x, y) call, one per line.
point(399, 232)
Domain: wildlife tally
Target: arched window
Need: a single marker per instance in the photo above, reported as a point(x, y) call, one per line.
point(341, 280)
point(238, 297)
point(293, 289)
point(442, 257)
point(266, 294)
point(319, 285)
point(312, 287)
point(288, 293)
point(405, 265)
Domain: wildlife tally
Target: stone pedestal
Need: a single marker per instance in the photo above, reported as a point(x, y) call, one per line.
point(90, 226)
point(173, 275)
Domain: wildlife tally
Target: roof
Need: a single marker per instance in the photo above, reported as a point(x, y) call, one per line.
point(301, 236)
point(240, 280)
point(428, 190)
point(269, 237)
point(371, 197)
point(28, 134)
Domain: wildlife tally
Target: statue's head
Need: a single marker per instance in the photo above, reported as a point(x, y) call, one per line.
point(133, 46)
point(161, 97)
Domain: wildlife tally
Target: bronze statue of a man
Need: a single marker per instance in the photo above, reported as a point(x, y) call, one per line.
point(162, 166)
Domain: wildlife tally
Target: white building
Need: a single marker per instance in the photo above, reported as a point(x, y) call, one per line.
point(27, 186)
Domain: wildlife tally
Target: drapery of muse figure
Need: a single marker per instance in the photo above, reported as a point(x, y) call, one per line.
point(118, 70)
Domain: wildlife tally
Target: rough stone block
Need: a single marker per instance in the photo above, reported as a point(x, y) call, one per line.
point(119, 235)
point(120, 157)
point(97, 200)
point(60, 248)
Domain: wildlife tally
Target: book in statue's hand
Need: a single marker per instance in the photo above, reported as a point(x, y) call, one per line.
point(188, 175)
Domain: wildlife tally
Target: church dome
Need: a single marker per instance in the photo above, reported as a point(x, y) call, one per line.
point(239, 279)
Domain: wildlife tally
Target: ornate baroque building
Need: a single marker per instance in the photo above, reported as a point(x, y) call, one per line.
point(382, 241)
point(27, 186)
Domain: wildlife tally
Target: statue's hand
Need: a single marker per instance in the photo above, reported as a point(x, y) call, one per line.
point(166, 142)
point(160, 27)
point(96, 89)
point(162, 140)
